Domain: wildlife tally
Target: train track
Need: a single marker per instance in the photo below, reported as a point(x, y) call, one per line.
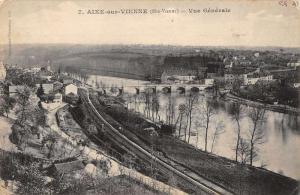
point(202, 185)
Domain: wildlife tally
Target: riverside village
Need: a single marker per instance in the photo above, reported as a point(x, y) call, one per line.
point(150, 120)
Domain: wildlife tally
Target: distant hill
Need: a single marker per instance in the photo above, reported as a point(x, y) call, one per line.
point(135, 61)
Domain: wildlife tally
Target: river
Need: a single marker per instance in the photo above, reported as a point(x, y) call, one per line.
point(279, 152)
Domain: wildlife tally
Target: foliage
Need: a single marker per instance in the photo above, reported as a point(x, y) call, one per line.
point(49, 141)
point(40, 91)
point(24, 108)
point(18, 77)
point(31, 180)
point(6, 104)
point(18, 167)
point(269, 92)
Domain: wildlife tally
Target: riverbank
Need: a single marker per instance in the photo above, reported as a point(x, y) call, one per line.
point(276, 108)
point(241, 179)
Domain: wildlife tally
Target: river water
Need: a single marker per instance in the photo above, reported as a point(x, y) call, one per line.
point(279, 152)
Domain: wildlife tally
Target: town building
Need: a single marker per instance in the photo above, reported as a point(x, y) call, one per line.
point(57, 86)
point(15, 89)
point(67, 81)
point(208, 81)
point(71, 88)
point(235, 73)
point(71, 98)
point(57, 98)
point(47, 87)
point(178, 75)
point(45, 74)
point(256, 54)
point(296, 85)
point(252, 78)
point(294, 63)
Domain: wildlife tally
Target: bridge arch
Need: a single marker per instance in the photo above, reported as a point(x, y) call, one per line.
point(195, 89)
point(150, 89)
point(166, 89)
point(181, 90)
point(121, 91)
point(137, 91)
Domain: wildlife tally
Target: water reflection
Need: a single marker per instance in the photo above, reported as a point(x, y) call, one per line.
point(280, 152)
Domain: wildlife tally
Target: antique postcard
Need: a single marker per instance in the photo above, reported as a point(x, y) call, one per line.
point(149, 97)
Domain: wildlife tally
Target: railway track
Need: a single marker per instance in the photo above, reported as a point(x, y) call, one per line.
point(200, 184)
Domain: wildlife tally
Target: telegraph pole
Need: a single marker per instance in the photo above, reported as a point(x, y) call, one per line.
point(9, 34)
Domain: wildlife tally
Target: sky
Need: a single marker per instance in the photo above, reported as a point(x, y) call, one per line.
point(249, 23)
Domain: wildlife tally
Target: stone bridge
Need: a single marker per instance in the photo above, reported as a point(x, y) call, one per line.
point(164, 88)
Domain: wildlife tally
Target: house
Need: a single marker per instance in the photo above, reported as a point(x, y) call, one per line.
point(78, 83)
point(71, 98)
point(256, 54)
point(45, 74)
point(13, 90)
point(296, 85)
point(294, 63)
point(35, 69)
point(57, 86)
point(47, 87)
point(178, 75)
point(252, 78)
point(67, 81)
point(57, 98)
point(235, 73)
point(2, 72)
point(208, 81)
point(71, 88)
point(230, 65)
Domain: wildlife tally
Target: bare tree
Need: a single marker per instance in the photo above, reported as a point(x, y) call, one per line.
point(182, 110)
point(257, 117)
point(236, 112)
point(219, 129)
point(244, 151)
point(190, 104)
point(147, 104)
point(170, 111)
point(207, 113)
point(155, 106)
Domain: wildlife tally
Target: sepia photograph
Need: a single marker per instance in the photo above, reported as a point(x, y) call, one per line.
point(167, 97)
